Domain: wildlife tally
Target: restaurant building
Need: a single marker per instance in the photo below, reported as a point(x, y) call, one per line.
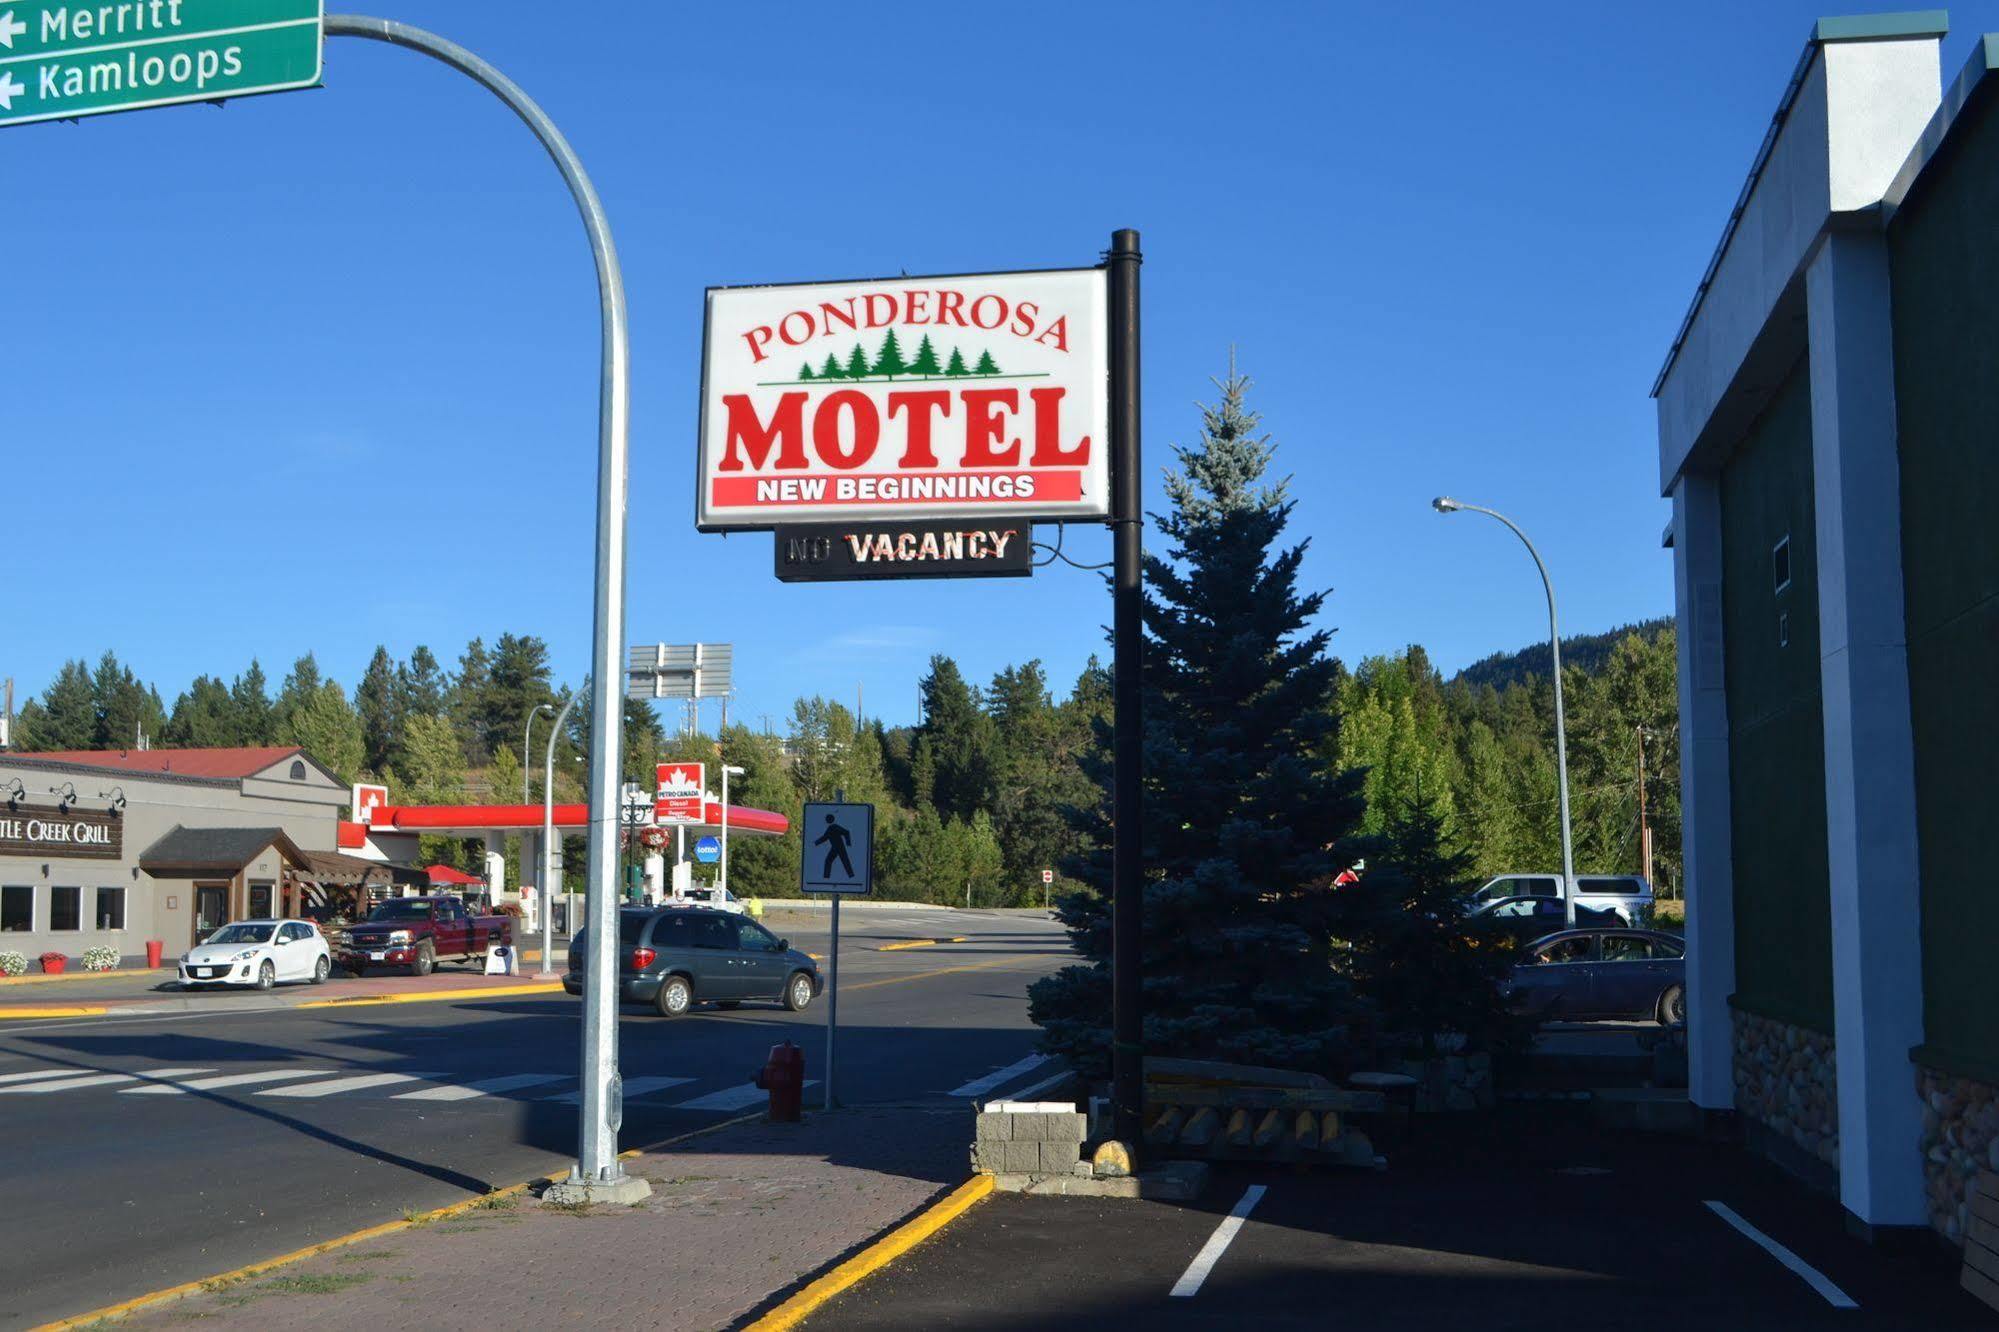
point(119, 847)
point(1827, 436)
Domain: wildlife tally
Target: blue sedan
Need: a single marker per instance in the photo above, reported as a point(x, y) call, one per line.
point(1635, 975)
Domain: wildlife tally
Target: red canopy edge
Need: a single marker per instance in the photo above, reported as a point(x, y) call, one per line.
point(424, 818)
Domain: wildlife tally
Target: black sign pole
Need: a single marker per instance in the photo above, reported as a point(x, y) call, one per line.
point(1128, 643)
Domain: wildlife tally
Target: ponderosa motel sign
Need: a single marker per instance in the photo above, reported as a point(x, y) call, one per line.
point(976, 397)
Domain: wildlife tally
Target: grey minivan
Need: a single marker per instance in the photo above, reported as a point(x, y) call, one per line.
point(675, 957)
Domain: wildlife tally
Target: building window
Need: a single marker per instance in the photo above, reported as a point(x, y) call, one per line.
point(110, 908)
point(298, 772)
point(17, 909)
point(1780, 563)
point(260, 901)
point(1783, 629)
point(65, 909)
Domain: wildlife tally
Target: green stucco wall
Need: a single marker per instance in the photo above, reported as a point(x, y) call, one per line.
point(1783, 915)
point(1944, 249)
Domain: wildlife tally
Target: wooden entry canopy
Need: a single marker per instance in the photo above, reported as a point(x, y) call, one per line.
point(222, 857)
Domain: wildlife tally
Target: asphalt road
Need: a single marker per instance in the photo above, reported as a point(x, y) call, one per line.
point(1525, 1221)
point(126, 1173)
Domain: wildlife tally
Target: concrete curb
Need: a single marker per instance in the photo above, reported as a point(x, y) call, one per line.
point(116, 973)
point(24, 1013)
point(920, 943)
point(883, 1251)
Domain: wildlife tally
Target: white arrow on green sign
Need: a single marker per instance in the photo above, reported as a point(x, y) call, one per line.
point(60, 61)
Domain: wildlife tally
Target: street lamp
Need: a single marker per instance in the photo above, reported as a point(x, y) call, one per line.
point(1445, 504)
point(723, 880)
point(527, 747)
point(548, 844)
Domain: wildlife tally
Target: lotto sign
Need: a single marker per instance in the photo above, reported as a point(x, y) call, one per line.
point(682, 792)
point(985, 396)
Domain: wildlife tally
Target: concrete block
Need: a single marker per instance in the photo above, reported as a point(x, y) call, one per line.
point(1059, 1158)
point(1030, 1128)
point(990, 1127)
point(1071, 1127)
point(1172, 1181)
point(1021, 1157)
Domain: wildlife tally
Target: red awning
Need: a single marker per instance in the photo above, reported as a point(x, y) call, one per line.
point(445, 876)
point(498, 818)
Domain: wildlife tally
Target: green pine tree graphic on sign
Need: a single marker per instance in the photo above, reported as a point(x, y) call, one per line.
point(804, 372)
point(926, 359)
point(890, 363)
point(986, 365)
point(831, 370)
point(857, 364)
point(955, 367)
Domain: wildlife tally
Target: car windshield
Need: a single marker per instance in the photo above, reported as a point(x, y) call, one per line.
point(409, 908)
point(242, 934)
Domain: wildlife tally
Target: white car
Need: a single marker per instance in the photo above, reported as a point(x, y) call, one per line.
point(259, 953)
point(1626, 896)
point(716, 899)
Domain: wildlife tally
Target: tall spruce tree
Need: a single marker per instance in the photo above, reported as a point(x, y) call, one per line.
point(857, 364)
point(925, 361)
point(377, 699)
point(256, 715)
point(889, 363)
point(65, 716)
point(1242, 828)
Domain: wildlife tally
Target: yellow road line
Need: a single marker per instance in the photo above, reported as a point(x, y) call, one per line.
point(919, 943)
point(125, 1308)
point(434, 996)
point(138, 973)
point(16, 1014)
point(880, 1254)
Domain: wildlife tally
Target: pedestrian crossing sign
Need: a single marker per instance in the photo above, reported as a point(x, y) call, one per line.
point(838, 851)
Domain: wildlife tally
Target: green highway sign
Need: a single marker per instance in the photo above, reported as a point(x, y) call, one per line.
point(60, 61)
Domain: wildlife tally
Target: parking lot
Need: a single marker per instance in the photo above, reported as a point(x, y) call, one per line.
point(1529, 1219)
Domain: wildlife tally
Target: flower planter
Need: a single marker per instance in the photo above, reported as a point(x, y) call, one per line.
point(53, 964)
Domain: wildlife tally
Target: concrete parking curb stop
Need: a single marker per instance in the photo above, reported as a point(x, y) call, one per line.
point(919, 943)
point(125, 1308)
point(848, 1273)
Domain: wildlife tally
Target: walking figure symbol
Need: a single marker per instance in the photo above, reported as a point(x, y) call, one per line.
point(835, 839)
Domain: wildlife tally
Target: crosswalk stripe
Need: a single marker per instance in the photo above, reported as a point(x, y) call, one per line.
point(338, 1085)
point(484, 1087)
point(980, 1086)
point(634, 1088)
point(732, 1098)
point(99, 1080)
point(45, 1073)
point(226, 1080)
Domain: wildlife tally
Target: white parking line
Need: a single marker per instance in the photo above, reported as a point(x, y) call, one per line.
point(732, 1098)
point(226, 1080)
point(483, 1087)
point(67, 1083)
point(634, 1088)
point(980, 1086)
point(1211, 1252)
point(1811, 1276)
point(45, 1073)
point(361, 1083)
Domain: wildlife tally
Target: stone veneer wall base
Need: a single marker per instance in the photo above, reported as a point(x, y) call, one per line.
point(1960, 1138)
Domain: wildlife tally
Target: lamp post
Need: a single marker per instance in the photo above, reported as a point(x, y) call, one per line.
point(527, 748)
point(723, 880)
point(548, 842)
point(1445, 504)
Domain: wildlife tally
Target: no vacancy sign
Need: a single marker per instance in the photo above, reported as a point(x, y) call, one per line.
point(945, 397)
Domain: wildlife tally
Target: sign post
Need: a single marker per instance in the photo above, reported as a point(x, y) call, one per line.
point(846, 868)
point(63, 61)
point(1127, 700)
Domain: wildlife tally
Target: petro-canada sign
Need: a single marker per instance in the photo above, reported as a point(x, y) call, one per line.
point(908, 398)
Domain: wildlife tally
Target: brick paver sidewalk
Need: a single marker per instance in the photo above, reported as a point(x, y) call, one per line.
point(734, 1217)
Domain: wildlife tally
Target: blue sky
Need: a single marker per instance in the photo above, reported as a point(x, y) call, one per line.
point(317, 371)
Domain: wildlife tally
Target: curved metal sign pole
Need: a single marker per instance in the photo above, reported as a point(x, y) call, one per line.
point(597, 1144)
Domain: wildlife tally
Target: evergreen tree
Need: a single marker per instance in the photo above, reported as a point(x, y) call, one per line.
point(962, 746)
point(423, 686)
point(65, 717)
point(1242, 829)
point(987, 365)
point(299, 689)
point(465, 704)
point(889, 363)
point(805, 372)
point(503, 776)
point(124, 707)
point(204, 717)
point(760, 866)
point(322, 724)
point(832, 369)
point(256, 716)
point(378, 700)
point(926, 359)
point(829, 753)
point(431, 763)
point(517, 683)
point(857, 364)
point(1416, 960)
point(955, 367)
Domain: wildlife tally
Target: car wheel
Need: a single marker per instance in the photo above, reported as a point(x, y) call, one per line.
point(426, 962)
point(1673, 1006)
point(675, 997)
point(320, 971)
point(267, 976)
point(798, 992)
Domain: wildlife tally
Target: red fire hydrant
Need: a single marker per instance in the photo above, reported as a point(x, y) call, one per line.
point(783, 1076)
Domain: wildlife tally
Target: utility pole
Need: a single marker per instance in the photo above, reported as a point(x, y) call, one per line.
point(1127, 748)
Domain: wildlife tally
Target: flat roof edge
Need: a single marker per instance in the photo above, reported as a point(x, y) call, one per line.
point(1882, 27)
point(1984, 60)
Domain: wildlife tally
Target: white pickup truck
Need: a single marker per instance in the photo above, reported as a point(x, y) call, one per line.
point(1626, 895)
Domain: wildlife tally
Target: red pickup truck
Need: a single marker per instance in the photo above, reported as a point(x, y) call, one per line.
point(414, 932)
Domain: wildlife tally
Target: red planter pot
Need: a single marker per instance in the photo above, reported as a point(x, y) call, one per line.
point(53, 966)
